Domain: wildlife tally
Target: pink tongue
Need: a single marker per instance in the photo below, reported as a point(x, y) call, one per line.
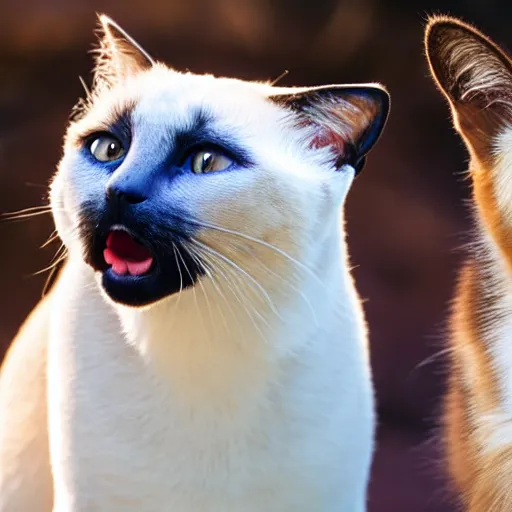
point(126, 255)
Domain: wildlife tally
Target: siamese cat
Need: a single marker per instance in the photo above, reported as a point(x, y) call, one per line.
point(204, 348)
point(476, 78)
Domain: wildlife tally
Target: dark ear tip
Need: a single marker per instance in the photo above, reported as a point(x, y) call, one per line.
point(382, 99)
point(378, 91)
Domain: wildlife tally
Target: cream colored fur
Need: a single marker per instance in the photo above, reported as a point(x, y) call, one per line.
point(250, 392)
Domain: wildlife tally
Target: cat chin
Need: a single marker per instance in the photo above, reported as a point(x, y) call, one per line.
point(145, 290)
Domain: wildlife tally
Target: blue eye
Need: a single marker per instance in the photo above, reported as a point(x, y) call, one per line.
point(209, 161)
point(106, 148)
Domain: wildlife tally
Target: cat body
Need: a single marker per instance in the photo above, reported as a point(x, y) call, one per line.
point(206, 348)
point(476, 78)
point(223, 430)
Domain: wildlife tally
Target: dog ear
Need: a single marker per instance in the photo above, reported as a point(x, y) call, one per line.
point(475, 76)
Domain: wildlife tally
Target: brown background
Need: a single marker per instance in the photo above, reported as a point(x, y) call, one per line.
point(407, 220)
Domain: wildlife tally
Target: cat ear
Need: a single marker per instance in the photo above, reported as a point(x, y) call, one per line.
point(118, 56)
point(476, 77)
point(347, 118)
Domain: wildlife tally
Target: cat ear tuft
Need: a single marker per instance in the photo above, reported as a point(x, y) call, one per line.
point(475, 75)
point(346, 118)
point(118, 55)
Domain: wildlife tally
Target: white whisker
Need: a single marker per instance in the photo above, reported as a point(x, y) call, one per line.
point(193, 289)
point(257, 241)
point(281, 278)
point(176, 305)
point(245, 273)
point(209, 270)
point(230, 269)
point(199, 262)
point(218, 266)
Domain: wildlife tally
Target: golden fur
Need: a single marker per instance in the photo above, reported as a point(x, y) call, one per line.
point(476, 77)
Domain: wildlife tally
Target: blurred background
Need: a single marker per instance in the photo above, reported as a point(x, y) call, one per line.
point(407, 213)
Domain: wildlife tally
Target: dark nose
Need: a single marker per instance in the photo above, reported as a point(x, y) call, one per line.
point(124, 195)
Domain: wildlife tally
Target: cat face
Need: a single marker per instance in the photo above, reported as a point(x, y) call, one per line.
point(167, 175)
point(475, 75)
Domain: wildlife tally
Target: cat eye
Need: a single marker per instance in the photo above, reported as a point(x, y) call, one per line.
point(209, 161)
point(106, 148)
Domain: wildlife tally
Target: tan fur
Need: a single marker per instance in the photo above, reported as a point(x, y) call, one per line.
point(26, 484)
point(472, 387)
point(476, 78)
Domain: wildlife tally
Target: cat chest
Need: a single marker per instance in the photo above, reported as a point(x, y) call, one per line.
point(130, 444)
point(127, 439)
point(145, 456)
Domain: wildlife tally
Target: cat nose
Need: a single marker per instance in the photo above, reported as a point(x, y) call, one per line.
point(125, 195)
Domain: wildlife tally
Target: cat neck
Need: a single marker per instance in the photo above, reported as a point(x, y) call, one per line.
point(226, 334)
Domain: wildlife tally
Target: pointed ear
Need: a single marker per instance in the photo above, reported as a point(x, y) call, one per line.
point(347, 118)
point(118, 56)
point(475, 75)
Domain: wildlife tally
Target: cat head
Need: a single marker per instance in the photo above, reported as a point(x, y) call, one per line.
point(166, 175)
point(475, 76)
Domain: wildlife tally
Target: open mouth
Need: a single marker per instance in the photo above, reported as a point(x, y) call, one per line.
point(126, 255)
point(133, 273)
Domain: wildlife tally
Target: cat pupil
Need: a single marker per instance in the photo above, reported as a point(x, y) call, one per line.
point(207, 161)
point(112, 150)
